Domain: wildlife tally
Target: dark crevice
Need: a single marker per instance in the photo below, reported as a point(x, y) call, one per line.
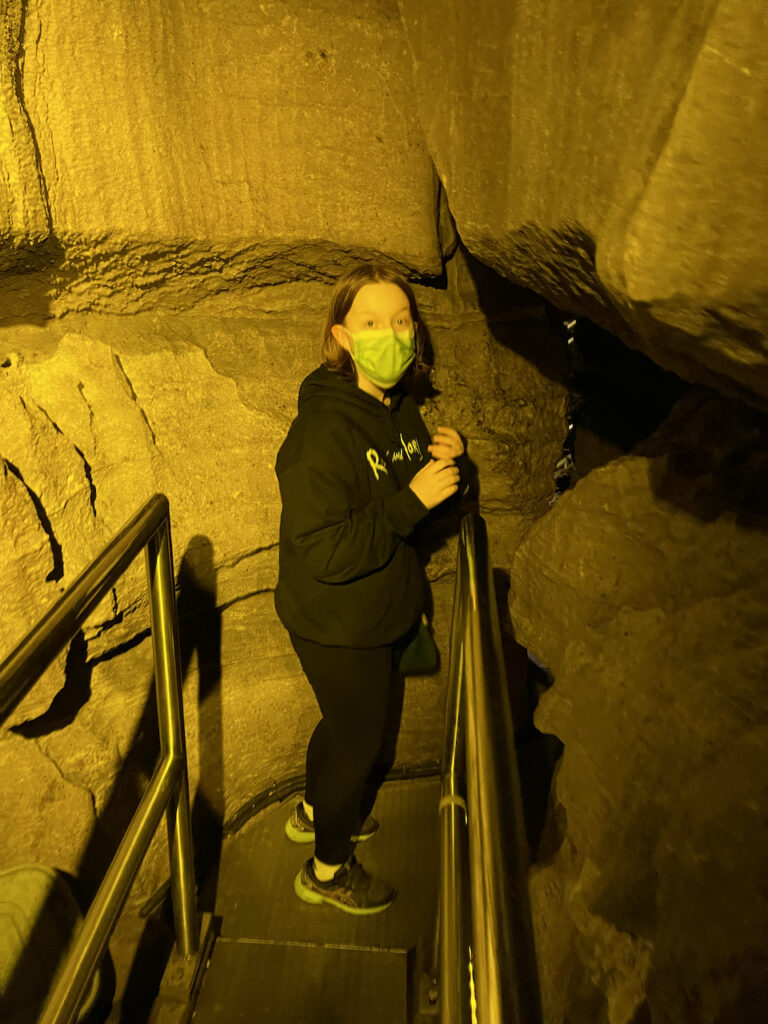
point(89, 478)
point(123, 376)
point(244, 597)
point(81, 389)
point(116, 620)
point(19, 84)
point(617, 398)
point(86, 464)
point(123, 648)
point(48, 416)
point(623, 396)
point(248, 554)
point(57, 572)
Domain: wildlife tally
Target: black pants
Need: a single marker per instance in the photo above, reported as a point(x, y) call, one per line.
point(360, 693)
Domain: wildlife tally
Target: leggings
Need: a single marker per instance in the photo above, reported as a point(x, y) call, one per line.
point(360, 693)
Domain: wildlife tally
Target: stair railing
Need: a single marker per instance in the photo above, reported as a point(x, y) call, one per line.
point(486, 959)
point(168, 790)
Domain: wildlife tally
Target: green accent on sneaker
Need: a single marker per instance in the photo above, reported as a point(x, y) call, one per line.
point(300, 829)
point(351, 889)
point(369, 828)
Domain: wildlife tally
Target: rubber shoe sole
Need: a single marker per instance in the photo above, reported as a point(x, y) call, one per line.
point(300, 830)
point(344, 898)
point(298, 833)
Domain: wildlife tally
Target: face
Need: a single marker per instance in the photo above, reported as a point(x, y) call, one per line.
point(376, 306)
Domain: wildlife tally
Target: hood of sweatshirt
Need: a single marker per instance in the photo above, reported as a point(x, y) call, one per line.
point(323, 387)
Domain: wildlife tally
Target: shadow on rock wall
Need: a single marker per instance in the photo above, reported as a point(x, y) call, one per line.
point(537, 753)
point(29, 286)
point(711, 460)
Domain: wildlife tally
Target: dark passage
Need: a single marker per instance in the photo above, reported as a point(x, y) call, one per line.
point(618, 397)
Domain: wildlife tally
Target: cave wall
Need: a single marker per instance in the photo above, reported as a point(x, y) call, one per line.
point(189, 149)
point(644, 592)
point(613, 158)
point(97, 413)
point(178, 188)
point(24, 222)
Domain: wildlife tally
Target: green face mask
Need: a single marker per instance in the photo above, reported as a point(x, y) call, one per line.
point(384, 355)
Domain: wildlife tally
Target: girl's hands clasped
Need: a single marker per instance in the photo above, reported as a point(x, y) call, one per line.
point(435, 482)
point(439, 479)
point(446, 444)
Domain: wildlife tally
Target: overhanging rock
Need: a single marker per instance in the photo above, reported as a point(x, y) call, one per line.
point(614, 159)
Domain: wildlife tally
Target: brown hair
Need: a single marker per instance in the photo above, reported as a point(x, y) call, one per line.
point(336, 358)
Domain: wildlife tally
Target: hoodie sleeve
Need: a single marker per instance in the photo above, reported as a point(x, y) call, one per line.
point(338, 541)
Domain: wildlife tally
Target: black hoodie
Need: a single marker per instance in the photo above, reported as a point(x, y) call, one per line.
point(349, 576)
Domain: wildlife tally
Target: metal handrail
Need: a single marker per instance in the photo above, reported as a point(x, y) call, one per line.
point(168, 790)
point(490, 977)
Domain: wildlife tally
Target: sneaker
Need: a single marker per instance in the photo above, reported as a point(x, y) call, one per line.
point(351, 889)
point(300, 829)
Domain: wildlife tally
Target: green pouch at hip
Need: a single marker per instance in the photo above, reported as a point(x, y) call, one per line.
point(420, 657)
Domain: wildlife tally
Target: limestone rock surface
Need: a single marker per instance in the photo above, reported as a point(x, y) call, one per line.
point(178, 184)
point(190, 149)
point(644, 591)
point(27, 558)
point(43, 809)
point(98, 412)
point(614, 160)
point(23, 207)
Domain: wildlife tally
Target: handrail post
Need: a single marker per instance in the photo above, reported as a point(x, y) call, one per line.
point(506, 976)
point(89, 944)
point(450, 960)
point(170, 711)
point(168, 790)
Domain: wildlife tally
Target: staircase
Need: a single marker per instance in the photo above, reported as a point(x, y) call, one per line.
point(278, 960)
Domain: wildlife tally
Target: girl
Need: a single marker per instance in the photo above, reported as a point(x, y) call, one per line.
point(357, 472)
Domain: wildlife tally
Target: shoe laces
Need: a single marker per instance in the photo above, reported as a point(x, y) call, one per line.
point(358, 876)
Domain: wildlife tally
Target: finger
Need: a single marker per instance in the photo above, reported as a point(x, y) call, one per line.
point(452, 437)
point(447, 446)
point(448, 487)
